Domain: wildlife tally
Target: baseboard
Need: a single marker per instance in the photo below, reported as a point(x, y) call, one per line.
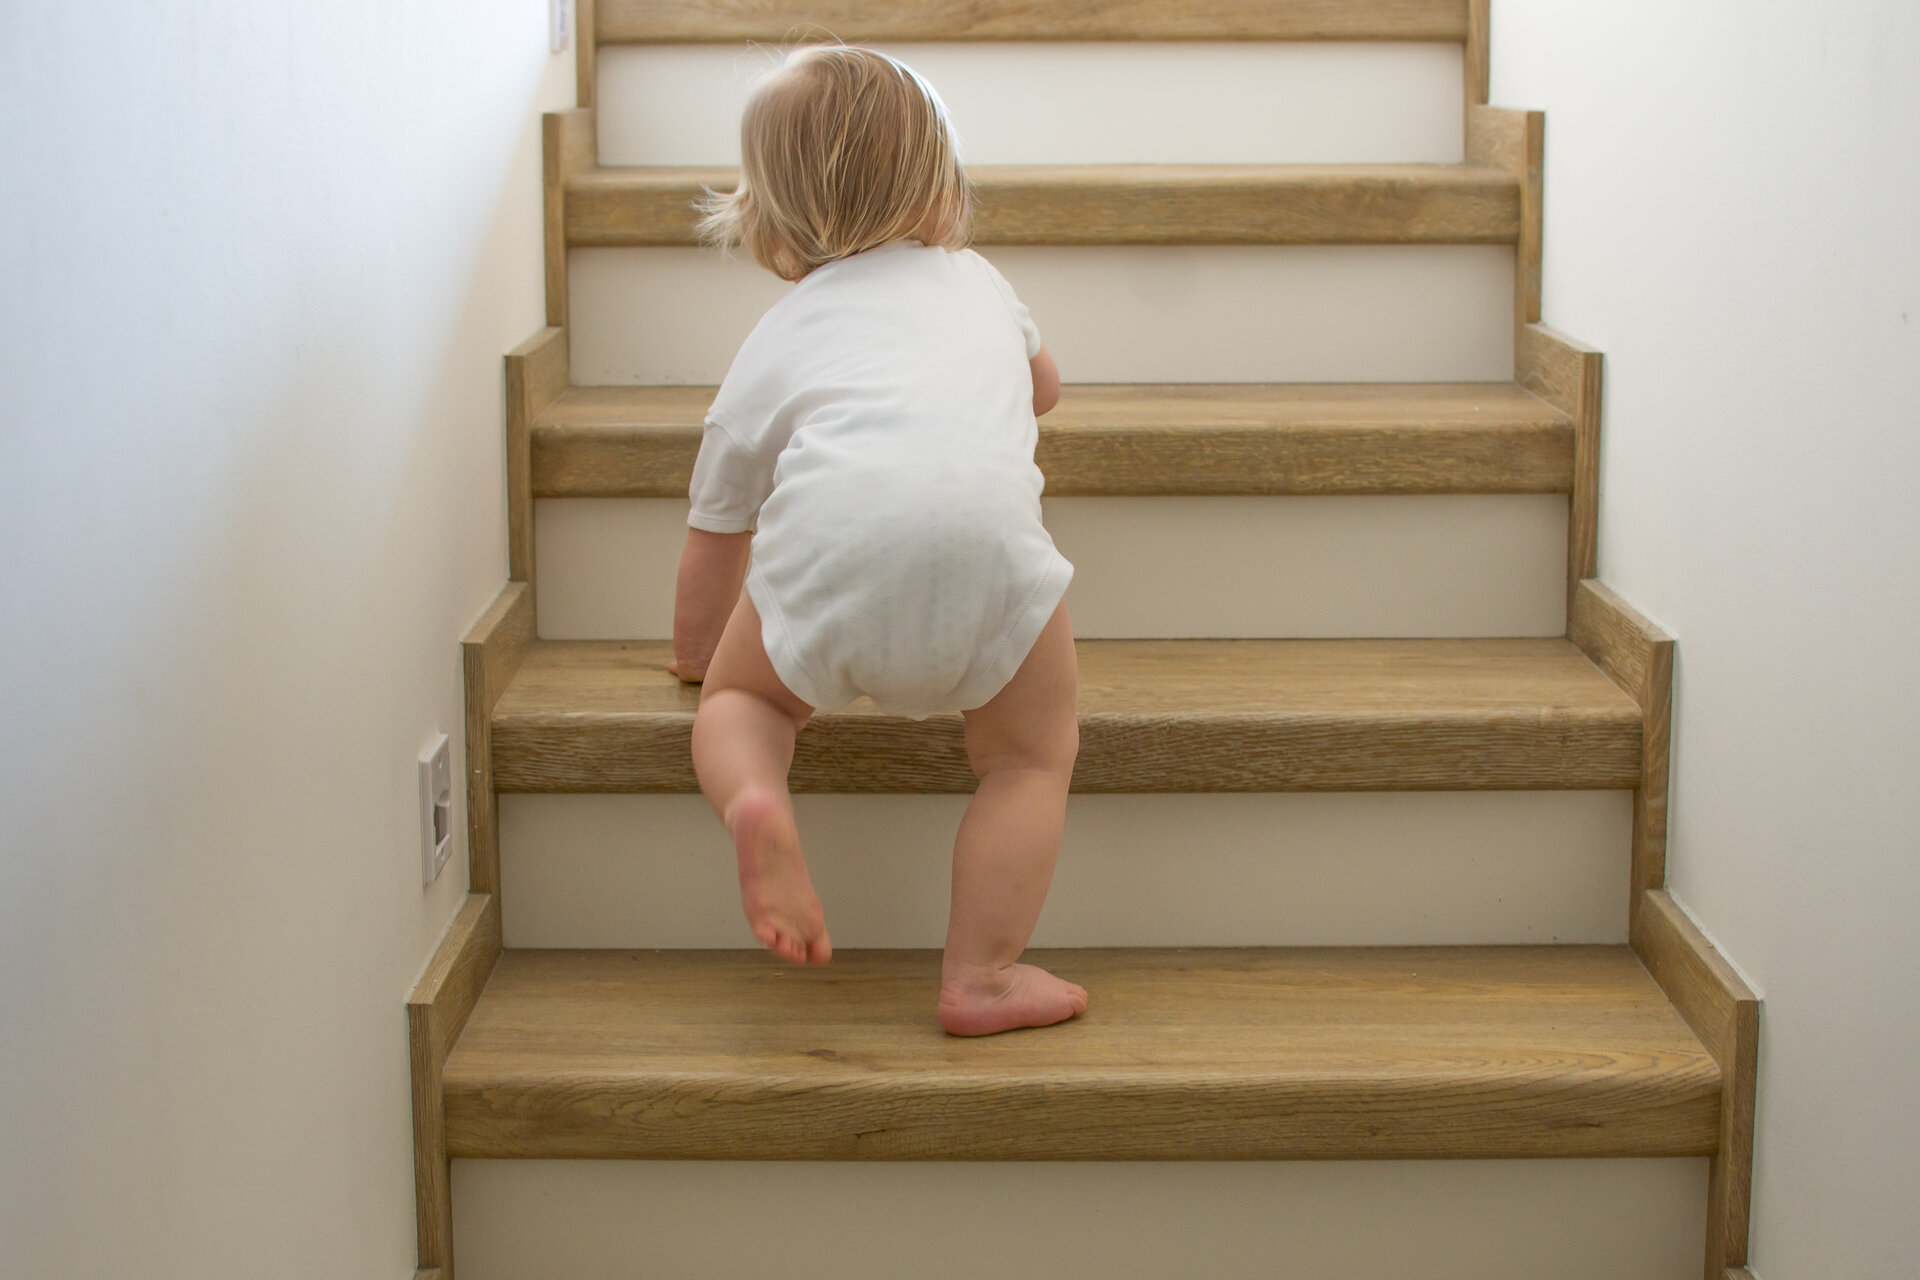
point(436, 1014)
point(1724, 1012)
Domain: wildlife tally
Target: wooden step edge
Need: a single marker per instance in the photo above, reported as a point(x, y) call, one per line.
point(784, 21)
point(880, 1082)
point(437, 1012)
point(1725, 1013)
point(1122, 204)
point(564, 735)
point(579, 450)
point(1242, 1121)
point(650, 754)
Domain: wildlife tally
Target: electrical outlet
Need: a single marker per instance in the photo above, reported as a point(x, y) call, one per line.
point(559, 21)
point(436, 808)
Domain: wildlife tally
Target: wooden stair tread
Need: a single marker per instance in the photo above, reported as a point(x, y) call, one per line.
point(1182, 1054)
point(1122, 204)
point(777, 21)
point(1154, 438)
point(1156, 715)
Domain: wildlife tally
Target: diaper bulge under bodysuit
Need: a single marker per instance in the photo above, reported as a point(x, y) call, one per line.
point(876, 431)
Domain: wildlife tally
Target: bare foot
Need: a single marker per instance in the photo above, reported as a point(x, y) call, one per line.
point(775, 889)
point(1021, 995)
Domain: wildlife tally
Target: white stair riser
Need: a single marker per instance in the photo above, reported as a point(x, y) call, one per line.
point(1415, 868)
point(1440, 1220)
point(1211, 313)
point(1084, 103)
point(1467, 565)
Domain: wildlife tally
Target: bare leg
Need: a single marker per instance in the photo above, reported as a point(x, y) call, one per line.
point(1022, 747)
point(742, 749)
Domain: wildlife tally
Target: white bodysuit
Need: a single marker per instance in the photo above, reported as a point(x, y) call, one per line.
point(877, 431)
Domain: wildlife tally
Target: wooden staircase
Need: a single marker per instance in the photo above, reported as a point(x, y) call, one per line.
point(1186, 1054)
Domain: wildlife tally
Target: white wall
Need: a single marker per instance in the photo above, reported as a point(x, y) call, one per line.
point(1732, 189)
point(259, 260)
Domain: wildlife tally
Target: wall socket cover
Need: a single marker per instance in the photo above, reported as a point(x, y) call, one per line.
point(436, 807)
point(559, 19)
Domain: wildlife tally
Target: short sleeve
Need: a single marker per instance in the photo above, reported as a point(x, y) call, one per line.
point(1021, 316)
point(729, 484)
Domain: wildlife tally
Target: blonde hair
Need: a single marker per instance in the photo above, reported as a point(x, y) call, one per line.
point(842, 150)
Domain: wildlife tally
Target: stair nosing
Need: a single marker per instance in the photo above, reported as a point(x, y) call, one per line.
point(1296, 447)
point(1146, 204)
point(648, 22)
point(556, 729)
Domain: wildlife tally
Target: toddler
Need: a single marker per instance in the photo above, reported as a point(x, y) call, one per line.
point(873, 441)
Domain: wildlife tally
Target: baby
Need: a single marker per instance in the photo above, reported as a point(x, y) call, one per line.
point(873, 444)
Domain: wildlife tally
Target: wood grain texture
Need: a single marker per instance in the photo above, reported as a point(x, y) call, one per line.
point(1155, 716)
point(1124, 204)
point(1622, 642)
point(1725, 1014)
point(1515, 142)
point(1245, 1053)
point(437, 1011)
point(1478, 63)
point(586, 54)
point(1656, 766)
point(1390, 438)
point(569, 145)
point(722, 21)
point(1570, 376)
point(536, 372)
point(490, 655)
point(1638, 656)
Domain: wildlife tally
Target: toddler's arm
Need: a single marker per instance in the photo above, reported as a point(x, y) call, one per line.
point(1046, 382)
point(712, 569)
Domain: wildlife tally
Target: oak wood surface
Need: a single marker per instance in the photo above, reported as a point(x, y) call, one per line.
point(1613, 633)
point(569, 146)
point(536, 372)
point(437, 1012)
point(1478, 63)
point(490, 655)
point(1123, 204)
point(586, 54)
point(1242, 1053)
point(716, 21)
point(1515, 142)
point(1155, 716)
point(1569, 375)
point(640, 442)
point(1638, 656)
point(1725, 1014)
